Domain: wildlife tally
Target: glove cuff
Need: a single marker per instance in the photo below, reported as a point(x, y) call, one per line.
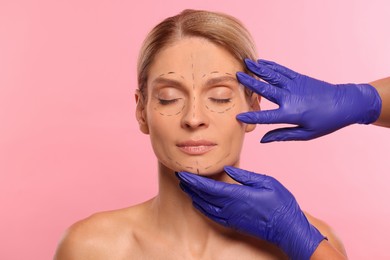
point(302, 240)
point(373, 103)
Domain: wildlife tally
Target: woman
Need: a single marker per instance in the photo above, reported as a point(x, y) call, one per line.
point(187, 101)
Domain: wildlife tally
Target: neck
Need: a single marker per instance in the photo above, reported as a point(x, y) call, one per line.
point(176, 216)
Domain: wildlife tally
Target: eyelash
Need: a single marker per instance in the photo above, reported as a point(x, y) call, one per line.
point(165, 102)
point(221, 101)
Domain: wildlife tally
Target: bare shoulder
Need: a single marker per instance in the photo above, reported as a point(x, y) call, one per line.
point(104, 235)
point(327, 231)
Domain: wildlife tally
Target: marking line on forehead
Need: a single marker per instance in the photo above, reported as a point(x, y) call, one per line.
point(215, 72)
point(170, 72)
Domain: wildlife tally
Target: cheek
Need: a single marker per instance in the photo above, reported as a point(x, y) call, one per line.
point(160, 127)
point(161, 136)
point(227, 124)
point(232, 130)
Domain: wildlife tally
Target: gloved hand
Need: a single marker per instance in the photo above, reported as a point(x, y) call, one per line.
point(316, 107)
point(262, 207)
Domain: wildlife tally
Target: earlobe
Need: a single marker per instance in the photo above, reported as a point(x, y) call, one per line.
point(140, 112)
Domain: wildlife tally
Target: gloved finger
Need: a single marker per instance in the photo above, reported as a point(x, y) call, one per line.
point(215, 189)
point(273, 77)
point(211, 216)
point(208, 206)
point(187, 190)
point(202, 197)
point(279, 68)
point(273, 116)
point(288, 134)
point(270, 92)
point(247, 178)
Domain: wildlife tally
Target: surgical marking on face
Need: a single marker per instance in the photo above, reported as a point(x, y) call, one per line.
point(208, 167)
point(197, 168)
point(158, 107)
point(175, 114)
point(171, 72)
point(178, 164)
point(193, 85)
point(220, 112)
point(215, 104)
point(223, 109)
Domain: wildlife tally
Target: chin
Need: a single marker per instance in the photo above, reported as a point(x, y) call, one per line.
point(208, 166)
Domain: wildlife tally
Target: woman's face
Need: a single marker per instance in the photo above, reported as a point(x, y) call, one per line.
point(193, 98)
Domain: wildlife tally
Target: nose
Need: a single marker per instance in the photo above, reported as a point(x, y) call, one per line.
point(194, 115)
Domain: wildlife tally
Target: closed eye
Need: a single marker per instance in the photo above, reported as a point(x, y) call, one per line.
point(168, 101)
point(221, 100)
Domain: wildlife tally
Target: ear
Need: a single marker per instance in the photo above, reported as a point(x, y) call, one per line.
point(254, 103)
point(140, 112)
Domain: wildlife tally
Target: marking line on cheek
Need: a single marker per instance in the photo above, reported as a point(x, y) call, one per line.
point(220, 112)
point(162, 114)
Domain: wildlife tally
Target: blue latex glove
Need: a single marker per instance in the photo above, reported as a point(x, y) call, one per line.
point(316, 107)
point(262, 207)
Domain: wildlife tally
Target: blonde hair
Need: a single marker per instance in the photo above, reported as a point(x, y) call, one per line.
point(221, 29)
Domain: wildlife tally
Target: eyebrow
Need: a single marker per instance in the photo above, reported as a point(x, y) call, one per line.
point(217, 80)
point(166, 81)
point(212, 81)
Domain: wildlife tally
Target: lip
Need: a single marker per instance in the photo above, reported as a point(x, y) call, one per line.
point(198, 147)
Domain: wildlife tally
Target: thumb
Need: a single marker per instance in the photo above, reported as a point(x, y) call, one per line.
point(246, 178)
point(289, 134)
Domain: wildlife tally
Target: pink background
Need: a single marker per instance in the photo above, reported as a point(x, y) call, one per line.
point(70, 145)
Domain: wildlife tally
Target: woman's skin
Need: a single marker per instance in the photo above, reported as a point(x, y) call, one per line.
point(202, 139)
point(383, 88)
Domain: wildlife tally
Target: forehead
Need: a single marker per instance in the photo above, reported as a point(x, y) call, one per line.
point(193, 56)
